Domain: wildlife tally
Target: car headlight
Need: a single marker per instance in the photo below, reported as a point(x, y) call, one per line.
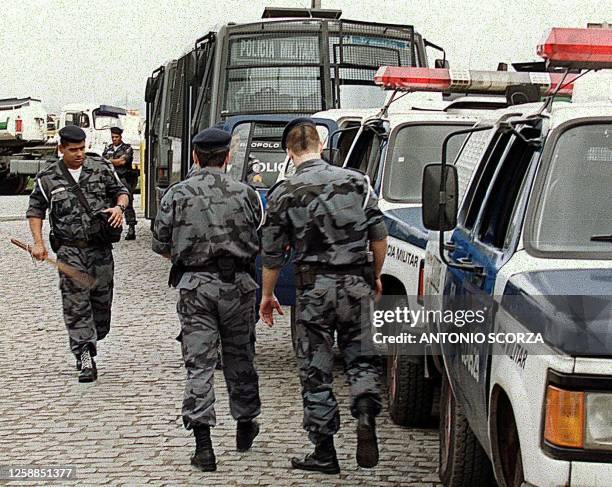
point(576, 419)
point(598, 425)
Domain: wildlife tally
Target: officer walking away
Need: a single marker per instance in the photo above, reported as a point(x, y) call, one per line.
point(207, 225)
point(330, 218)
point(87, 310)
point(122, 155)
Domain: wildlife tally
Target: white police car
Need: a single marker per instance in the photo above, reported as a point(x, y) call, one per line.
point(527, 391)
point(392, 148)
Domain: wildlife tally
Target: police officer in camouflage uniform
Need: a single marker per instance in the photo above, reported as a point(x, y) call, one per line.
point(87, 310)
point(207, 225)
point(122, 156)
point(330, 218)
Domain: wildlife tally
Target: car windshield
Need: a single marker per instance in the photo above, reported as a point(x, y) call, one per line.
point(414, 147)
point(575, 202)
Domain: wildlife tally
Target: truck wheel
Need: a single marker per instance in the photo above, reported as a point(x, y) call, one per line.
point(410, 392)
point(509, 446)
point(463, 461)
point(13, 184)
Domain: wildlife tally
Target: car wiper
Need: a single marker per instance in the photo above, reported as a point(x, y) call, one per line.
point(601, 238)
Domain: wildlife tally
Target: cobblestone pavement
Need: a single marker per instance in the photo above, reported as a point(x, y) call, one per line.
point(125, 429)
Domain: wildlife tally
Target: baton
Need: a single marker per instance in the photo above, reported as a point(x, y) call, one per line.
point(66, 269)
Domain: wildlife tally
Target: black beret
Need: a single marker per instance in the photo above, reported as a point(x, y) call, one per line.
point(212, 139)
point(116, 130)
point(296, 122)
point(72, 133)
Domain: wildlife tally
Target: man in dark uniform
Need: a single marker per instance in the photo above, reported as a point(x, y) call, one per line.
point(122, 155)
point(87, 310)
point(207, 225)
point(330, 218)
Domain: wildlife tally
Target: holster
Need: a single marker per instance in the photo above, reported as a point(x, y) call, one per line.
point(305, 277)
point(176, 273)
point(53, 242)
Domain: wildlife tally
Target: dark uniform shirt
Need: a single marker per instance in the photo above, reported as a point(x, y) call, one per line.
point(115, 152)
point(207, 216)
point(69, 220)
point(326, 213)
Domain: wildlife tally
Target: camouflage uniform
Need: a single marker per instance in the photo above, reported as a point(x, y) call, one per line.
point(126, 173)
point(204, 218)
point(327, 214)
point(87, 312)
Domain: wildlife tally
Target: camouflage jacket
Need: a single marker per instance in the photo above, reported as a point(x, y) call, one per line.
point(112, 152)
point(326, 213)
point(67, 217)
point(207, 216)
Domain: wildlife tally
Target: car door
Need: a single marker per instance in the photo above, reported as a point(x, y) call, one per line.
point(485, 239)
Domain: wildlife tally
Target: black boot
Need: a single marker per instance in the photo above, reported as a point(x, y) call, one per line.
point(89, 373)
point(246, 431)
point(131, 233)
point(367, 443)
point(323, 459)
point(204, 457)
point(78, 363)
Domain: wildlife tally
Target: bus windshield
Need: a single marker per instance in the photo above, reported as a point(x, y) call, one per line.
point(300, 67)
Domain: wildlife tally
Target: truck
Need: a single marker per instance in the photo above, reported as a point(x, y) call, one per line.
point(96, 121)
point(23, 133)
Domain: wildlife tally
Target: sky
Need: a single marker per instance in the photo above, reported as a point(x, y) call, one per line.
point(69, 51)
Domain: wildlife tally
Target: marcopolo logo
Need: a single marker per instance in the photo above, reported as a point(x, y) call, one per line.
point(265, 145)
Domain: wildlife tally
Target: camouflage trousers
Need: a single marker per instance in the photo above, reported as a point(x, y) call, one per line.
point(130, 183)
point(87, 312)
point(334, 304)
point(214, 313)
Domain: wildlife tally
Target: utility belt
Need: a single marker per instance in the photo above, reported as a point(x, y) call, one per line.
point(225, 267)
point(306, 274)
point(56, 243)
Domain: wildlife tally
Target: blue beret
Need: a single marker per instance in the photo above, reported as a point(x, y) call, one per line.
point(296, 122)
point(212, 139)
point(72, 133)
point(116, 130)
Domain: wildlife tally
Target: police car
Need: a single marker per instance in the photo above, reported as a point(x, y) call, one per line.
point(392, 148)
point(527, 391)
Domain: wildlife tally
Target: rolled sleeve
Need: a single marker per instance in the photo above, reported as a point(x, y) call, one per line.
point(162, 228)
point(377, 230)
point(275, 237)
point(38, 203)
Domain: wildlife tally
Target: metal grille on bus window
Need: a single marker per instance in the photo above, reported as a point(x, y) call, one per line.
point(356, 75)
point(366, 55)
point(176, 119)
point(273, 90)
point(274, 49)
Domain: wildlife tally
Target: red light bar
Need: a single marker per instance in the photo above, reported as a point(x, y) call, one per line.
point(467, 81)
point(578, 48)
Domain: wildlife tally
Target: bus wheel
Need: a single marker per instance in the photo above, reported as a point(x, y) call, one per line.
point(463, 461)
point(410, 392)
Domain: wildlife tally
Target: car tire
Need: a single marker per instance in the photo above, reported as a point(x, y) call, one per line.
point(13, 184)
point(463, 461)
point(410, 393)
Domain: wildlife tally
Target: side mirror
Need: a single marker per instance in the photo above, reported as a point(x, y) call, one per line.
point(441, 63)
point(149, 93)
point(440, 208)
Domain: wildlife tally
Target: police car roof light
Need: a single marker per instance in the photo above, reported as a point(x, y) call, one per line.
point(468, 81)
point(578, 48)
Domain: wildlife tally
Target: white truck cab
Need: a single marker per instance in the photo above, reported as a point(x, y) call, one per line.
point(527, 392)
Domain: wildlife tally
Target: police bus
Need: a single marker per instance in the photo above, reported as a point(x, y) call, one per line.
point(291, 62)
point(527, 388)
